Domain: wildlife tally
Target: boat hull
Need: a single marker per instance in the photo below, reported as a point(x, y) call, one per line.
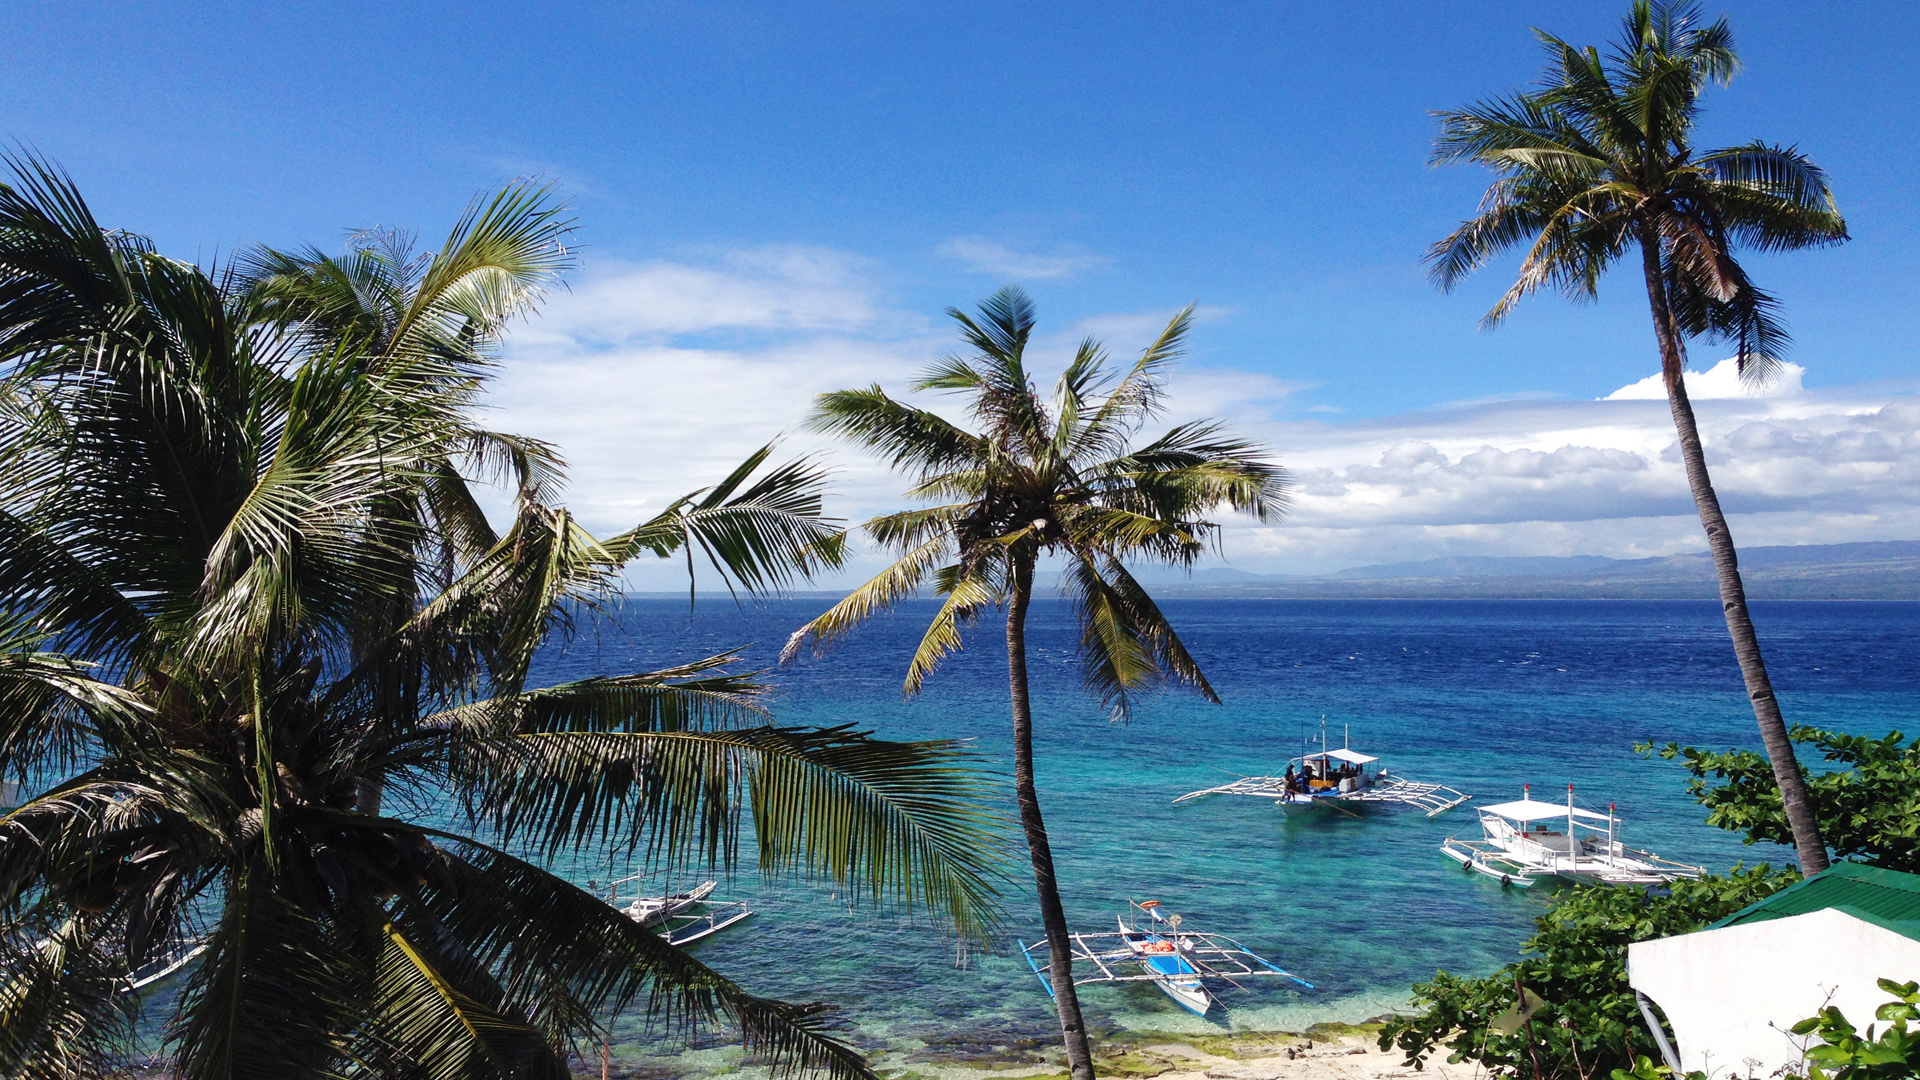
point(654, 910)
point(684, 929)
point(1187, 992)
point(1472, 860)
point(1160, 958)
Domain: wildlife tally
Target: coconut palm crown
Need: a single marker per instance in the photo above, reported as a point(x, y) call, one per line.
point(265, 666)
point(1599, 165)
point(1062, 477)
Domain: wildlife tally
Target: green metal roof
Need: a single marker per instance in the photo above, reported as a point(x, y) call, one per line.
point(1886, 898)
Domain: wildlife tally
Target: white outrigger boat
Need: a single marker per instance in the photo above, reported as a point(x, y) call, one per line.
point(682, 918)
point(160, 967)
point(1527, 840)
point(1154, 949)
point(1338, 776)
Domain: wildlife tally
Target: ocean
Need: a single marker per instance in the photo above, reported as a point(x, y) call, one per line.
point(1479, 695)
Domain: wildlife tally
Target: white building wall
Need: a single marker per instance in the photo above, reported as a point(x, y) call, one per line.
point(1734, 994)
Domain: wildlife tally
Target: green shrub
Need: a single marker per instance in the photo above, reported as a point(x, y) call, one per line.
point(1846, 1054)
point(1868, 807)
point(1587, 1021)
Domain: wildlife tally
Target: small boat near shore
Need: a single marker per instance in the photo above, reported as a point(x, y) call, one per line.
point(1161, 956)
point(1334, 777)
point(1524, 841)
point(681, 918)
point(1152, 947)
point(163, 965)
point(654, 910)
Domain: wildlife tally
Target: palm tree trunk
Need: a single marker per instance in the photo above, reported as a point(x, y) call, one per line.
point(1073, 1029)
point(1807, 842)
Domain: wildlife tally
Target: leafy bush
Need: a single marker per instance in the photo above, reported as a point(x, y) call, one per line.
point(1587, 1022)
point(1849, 1055)
point(1869, 809)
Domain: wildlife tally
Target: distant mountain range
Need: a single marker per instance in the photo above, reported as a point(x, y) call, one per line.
point(1887, 570)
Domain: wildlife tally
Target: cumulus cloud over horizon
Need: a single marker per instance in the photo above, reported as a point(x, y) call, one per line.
point(1596, 478)
point(1722, 380)
point(657, 377)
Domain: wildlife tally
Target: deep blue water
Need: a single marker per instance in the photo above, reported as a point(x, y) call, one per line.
point(1480, 695)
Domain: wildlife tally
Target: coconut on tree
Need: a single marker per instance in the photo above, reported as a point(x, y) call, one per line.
point(1599, 166)
point(1061, 478)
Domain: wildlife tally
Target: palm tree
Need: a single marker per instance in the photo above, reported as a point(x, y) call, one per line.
point(1600, 162)
point(245, 593)
point(1037, 478)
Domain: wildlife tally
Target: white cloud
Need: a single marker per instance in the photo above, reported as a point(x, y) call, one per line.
point(763, 289)
point(984, 256)
point(655, 378)
point(1600, 478)
point(1722, 380)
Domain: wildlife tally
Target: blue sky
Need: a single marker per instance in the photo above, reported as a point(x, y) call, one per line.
point(1117, 159)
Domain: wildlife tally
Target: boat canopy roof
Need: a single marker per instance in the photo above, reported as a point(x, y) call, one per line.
point(1353, 756)
point(1531, 810)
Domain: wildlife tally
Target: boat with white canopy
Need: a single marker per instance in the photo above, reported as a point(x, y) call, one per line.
point(1332, 777)
point(1526, 840)
point(1153, 947)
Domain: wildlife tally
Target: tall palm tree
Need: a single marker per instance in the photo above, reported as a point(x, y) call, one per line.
point(243, 585)
point(1599, 164)
point(1063, 479)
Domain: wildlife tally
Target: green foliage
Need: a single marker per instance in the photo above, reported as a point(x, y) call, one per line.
point(1846, 1053)
point(256, 636)
point(1868, 809)
point(1600, 162)
point(1644, 1068)
point(1062, 475)
point(1576, 964)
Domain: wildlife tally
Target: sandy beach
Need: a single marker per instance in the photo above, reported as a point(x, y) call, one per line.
point(1350, 1054)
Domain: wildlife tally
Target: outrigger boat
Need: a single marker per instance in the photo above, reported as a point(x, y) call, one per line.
point(1338, 776)
point(1524, 841)
point(1154, 949)
point(163, 965)
point(682, 918)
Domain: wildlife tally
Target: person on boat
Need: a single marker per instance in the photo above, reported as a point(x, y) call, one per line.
point(1287, 782)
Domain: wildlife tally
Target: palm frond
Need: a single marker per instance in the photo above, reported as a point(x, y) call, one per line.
point(908, 437)
point(443, 1033)
point(1004, 401)
point(1127, 641)
point(671, 699)
point(967, 589)
point(1191, 470)
point(1780, 171)
point(271, 996)
point(62, 1015)
point(494, 265)
point(898, 582)
point(898, 821)
point(762, 535)
point(547, 936)
point(1136, 399)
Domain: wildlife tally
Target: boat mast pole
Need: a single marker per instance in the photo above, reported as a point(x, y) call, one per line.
point(1573, 842)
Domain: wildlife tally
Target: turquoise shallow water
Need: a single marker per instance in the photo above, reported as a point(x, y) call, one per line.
point(1480, 695)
